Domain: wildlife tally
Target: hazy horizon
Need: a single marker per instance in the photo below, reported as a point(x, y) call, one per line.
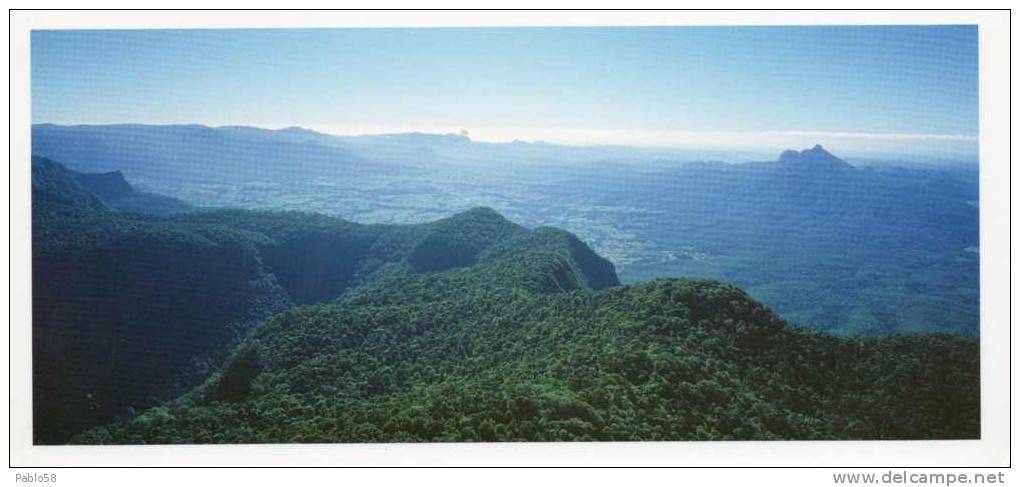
point(685, 142)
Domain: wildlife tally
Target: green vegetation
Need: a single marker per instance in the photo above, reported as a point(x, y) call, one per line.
point(181, 328)
point(167, 296)
point(666, 360)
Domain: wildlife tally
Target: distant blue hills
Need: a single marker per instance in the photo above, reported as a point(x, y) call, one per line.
point(842, 246)
point(235, 153)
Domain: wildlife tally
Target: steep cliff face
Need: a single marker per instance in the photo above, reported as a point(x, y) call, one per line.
point(107, 184)
point(125, 325)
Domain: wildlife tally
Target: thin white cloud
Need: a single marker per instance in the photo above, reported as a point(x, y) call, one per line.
point(882, 136)
point(634, 137)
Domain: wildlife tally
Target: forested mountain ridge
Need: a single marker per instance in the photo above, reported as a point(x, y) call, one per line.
point(166, 295)
point(469, 328)
point(672, 359)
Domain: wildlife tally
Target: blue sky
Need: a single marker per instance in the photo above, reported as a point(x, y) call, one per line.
point(907, 84)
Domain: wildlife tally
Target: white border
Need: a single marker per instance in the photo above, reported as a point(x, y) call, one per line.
point(991, 450)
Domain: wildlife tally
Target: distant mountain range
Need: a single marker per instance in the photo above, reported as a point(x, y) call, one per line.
point(192, 152)
point(168, 154)
point(231, 153)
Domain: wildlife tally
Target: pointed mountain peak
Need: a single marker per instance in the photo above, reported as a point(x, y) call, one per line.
point(818, 151)
point(815, 156)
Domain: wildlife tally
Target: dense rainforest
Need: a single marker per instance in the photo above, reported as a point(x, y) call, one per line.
point(155, 322)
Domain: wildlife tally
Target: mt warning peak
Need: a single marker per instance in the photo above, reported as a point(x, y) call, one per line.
point(816, 156)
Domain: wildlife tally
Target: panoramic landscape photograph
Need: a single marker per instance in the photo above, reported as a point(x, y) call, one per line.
point(505, 234)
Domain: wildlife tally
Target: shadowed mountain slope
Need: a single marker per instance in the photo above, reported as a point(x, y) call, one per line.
point(131, 309)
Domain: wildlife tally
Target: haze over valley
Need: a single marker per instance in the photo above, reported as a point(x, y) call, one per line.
point(872, 247)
